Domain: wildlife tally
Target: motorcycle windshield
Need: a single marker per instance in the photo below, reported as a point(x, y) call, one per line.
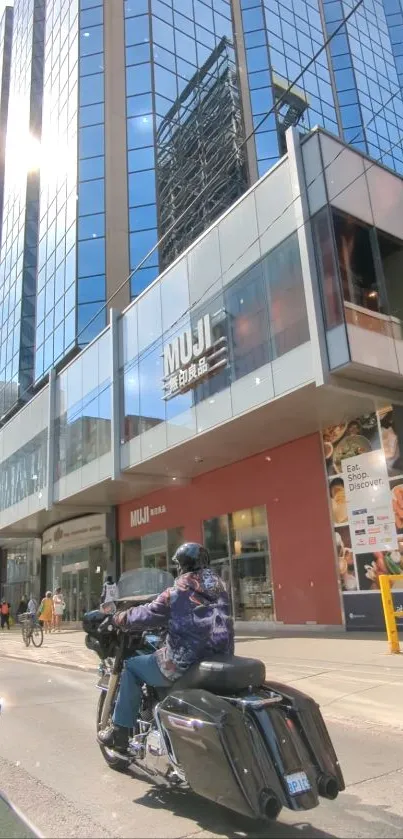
point(143, 582)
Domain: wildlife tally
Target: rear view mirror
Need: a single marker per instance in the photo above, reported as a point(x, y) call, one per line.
point(13, 825)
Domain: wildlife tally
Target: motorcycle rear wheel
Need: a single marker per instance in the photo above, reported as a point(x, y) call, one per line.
point(119, 764)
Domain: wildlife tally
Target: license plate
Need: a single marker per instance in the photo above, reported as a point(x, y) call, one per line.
point(297, 782)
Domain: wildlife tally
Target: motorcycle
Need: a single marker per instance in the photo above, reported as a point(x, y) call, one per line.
point(221, 730)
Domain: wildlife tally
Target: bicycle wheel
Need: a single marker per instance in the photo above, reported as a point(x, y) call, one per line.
point(26, 635)
point(37, 635)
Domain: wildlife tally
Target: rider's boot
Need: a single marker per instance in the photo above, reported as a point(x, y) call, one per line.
point(114, 737)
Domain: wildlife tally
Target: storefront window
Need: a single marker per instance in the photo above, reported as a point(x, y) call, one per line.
point(22, 571)
point(287, 307)
point(356, 263)
point(391, 252)
point(331, 296)
point(131, 555)
point(80, 574)
point(215, 307)
point(152, 406)
point(24, 472)
point(253, 595)
point(83, 421)
point(239, 550)
point(155, 550)
point(246, 309)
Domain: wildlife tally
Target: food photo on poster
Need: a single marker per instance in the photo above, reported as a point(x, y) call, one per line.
point(350, 439)
point(371, 565)
point(397, 503)
point(391, 424)
point(338, 501)
point(345, 558)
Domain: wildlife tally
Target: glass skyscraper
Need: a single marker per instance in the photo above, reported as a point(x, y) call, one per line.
point(132, 120)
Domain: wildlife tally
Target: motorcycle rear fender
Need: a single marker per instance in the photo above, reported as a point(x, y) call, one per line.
point(305, 713)
point(227, 757)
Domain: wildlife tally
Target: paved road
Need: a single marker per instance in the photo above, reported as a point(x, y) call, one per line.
point(51, 767)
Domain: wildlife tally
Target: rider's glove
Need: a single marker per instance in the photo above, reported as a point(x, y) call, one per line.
point(119, 619)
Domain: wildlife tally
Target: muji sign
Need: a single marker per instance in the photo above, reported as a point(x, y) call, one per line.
point(144, 514)
point(191, 357)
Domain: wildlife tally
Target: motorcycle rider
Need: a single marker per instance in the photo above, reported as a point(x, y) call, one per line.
point(196, 613)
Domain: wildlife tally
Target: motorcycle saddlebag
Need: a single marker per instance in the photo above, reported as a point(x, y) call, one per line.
point(304, 714)
point(211, 740)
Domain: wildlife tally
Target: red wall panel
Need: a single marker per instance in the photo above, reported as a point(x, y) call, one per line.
point(290, 481)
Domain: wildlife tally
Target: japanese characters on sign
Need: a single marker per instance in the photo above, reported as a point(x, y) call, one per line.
point(191, 357)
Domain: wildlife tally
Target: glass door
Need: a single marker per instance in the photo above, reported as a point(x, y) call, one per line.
point(69, 589)
point(216, 540)
point(253, 591)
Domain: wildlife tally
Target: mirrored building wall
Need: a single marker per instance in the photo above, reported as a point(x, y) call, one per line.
point(18, 259)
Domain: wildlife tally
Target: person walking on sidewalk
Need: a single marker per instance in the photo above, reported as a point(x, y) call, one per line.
point(45, 613)
point(5, 614)
point(23, 606)
point(32, 609)
point(58, 609)
point(109, 590)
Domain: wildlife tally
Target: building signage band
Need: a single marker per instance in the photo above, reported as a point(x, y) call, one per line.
point(144, 514)
point(76, 533)
point(191, 357)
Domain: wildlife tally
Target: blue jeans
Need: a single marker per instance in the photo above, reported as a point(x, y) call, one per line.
point(137, 670)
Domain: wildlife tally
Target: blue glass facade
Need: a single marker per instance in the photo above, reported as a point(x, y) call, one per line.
point(198, 77)
point(6, 35)
point(71, 265)
point(18, 260)
point(180, 63)
point(280, 40)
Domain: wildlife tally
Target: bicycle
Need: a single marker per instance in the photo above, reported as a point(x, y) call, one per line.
point(31, 629)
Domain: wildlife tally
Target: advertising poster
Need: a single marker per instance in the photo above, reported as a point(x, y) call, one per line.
point(365, 473)
point(369, 503)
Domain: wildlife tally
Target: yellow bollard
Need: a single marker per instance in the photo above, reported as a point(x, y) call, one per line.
point(389, 610)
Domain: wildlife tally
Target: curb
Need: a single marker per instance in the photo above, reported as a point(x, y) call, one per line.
point(44, 661)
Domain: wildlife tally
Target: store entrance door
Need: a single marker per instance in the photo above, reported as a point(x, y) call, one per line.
point(75, 590)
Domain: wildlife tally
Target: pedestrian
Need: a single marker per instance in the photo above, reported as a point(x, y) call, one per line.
point(109, 590)
point(5, 614)
point(22, 606)
point(45, 612)
point(32, 608)
point(58, 609)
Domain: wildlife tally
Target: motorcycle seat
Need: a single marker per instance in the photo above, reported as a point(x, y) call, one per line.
point(223, 675)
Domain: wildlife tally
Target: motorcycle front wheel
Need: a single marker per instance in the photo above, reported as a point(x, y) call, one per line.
point(119, 764)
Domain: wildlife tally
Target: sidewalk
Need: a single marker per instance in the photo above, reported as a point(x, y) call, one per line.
point(353, 677)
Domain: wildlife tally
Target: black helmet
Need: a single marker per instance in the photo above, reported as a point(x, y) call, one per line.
point(191, 557)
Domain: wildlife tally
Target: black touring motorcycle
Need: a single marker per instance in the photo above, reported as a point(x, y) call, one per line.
point(221, 730)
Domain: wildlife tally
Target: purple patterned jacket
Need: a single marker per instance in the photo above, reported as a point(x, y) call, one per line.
point(195, 612)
